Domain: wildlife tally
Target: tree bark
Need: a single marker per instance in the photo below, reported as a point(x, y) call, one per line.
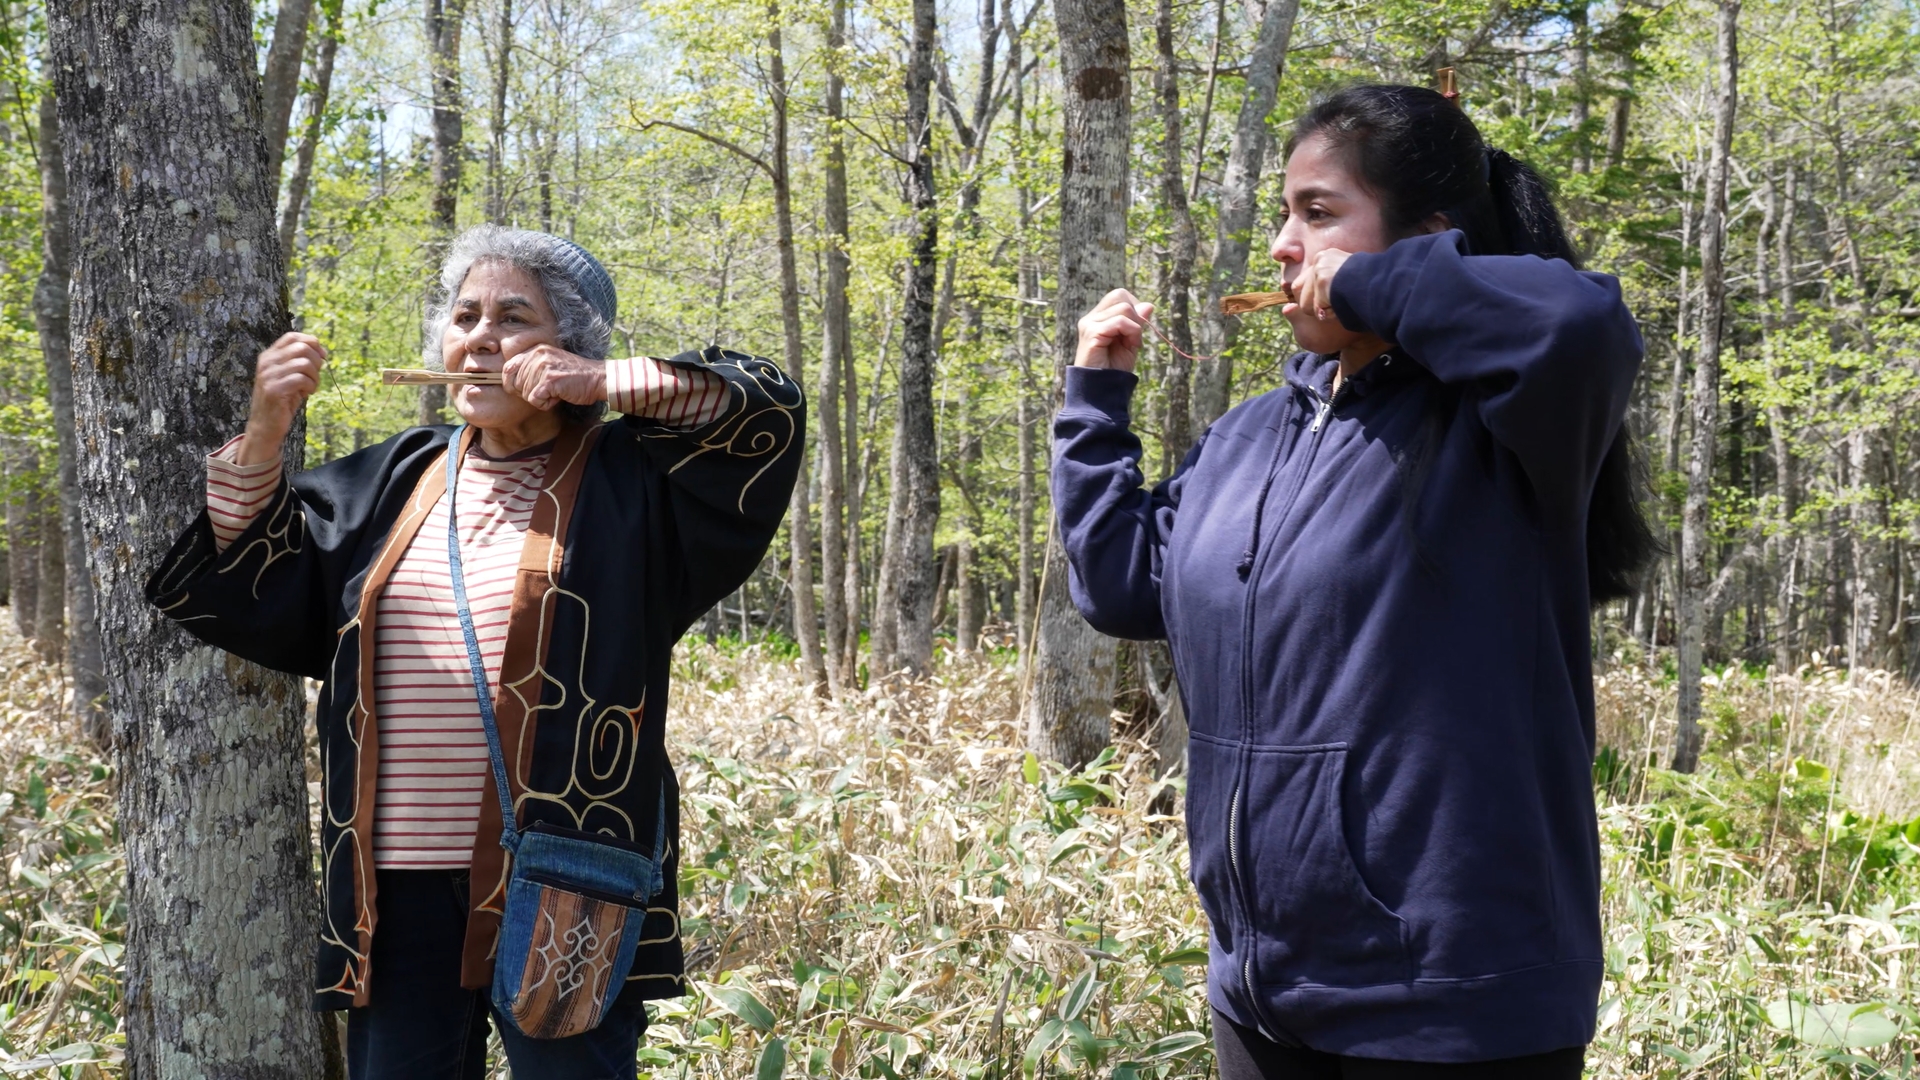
point(280, 84)
point(497, 122)
point(444, 20)
point(903, 636)
point(806, 617)
point(836, 357)
point(1696, 545)
point(56, 346)
point(1025, 331)
point(1176, 288)
point(1787, 651)
point(1239, 201)
point(1072, 679)
point(309, 136)
point(177, 285)
point(857, 489)
point(50, 613)
point(23, 540)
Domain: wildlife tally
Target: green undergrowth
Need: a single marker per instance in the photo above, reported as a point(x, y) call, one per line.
point(887, 886)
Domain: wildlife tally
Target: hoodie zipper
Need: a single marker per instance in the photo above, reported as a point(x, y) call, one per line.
point(1272, 1032)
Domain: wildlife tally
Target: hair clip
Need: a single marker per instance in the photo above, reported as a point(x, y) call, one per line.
point(1447, 88)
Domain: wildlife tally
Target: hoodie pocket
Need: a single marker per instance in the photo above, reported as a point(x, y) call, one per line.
point(1212, 768)
point(1314, 919)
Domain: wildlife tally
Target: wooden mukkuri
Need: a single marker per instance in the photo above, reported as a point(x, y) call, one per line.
point(394, 376)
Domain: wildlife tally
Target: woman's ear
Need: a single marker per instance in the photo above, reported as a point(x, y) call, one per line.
point(1436, 222)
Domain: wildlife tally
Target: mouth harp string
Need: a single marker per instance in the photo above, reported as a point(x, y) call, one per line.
point(425, 377)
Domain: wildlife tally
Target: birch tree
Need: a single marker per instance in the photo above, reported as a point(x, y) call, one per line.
point(1072, 677)
point(1696, 573)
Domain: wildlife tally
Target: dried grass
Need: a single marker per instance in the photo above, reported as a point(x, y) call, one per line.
point(886, 886)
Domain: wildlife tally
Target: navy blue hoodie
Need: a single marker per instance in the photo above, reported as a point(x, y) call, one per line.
point(1378, 609)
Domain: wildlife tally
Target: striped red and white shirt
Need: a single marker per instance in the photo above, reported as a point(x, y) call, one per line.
point(433, 752)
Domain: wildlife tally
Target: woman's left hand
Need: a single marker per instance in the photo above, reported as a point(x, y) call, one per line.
point(1312, 288)
point(547, 375)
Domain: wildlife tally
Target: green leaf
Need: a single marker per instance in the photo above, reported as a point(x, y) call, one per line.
point(1840, 1025)
point(1030, 769)
point(773, 1060)
point(37, 793)
point(1075, 791)
point(1811, 770)
point(1064, 845)
point(1043, 1041)
point(1084, 1041)
point(1173, 1045)
point(1184, 956)
point(1077, 996)
point(741, 1002)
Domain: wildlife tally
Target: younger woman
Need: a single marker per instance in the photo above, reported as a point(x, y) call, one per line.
point(1376, 582)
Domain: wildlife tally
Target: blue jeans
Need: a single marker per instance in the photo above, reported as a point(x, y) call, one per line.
point(420, 1023)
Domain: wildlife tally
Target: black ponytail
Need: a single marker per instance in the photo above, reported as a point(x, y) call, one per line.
point(1421, 155)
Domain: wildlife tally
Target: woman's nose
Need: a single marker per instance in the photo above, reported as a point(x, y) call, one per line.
point(484, 337)
point(1286, 246)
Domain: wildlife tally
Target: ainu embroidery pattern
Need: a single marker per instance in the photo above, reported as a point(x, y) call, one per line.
point(606, 735)
point(578, 956)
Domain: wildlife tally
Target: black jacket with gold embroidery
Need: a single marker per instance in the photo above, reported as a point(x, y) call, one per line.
point(638, 531)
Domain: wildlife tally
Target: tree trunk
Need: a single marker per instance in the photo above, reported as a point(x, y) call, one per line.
point(1027, 280)
point(310, 136)
point(806, 618)
point(1874, 642)
point(23, 541)
point(160, 113)
point(280, 84)
point(1696, 571)
point(903, 636)
point(1206, 99)
point(50, 316)
point(857, 493)
point(1239, 202)
point(836, 357)
point(1176, 289)
point(50, 611)
point(1071, 697)
point(1787, 651)
point(497, 122)
point(1617, 129)
point(966, 557)
point(444, 19)
point(1582, 82)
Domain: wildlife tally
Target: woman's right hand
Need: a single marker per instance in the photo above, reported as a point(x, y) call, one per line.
point(286, 374)
point(1110, 334)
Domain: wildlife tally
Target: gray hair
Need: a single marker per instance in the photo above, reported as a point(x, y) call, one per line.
point(583, 331)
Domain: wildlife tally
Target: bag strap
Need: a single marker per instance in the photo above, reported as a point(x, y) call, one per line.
point(482, 688)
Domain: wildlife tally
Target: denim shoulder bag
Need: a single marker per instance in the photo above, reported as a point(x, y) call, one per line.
point(575, 900)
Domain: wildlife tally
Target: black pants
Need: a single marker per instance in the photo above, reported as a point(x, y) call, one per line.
point(420, 1023)
point(1245, 1054)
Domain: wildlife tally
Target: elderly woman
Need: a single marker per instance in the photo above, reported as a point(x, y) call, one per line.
point(582, 551)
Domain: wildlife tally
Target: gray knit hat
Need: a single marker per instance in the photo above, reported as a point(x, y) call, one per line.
point(595, 284)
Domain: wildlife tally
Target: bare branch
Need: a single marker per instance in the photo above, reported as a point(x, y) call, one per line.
point(725, 144)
